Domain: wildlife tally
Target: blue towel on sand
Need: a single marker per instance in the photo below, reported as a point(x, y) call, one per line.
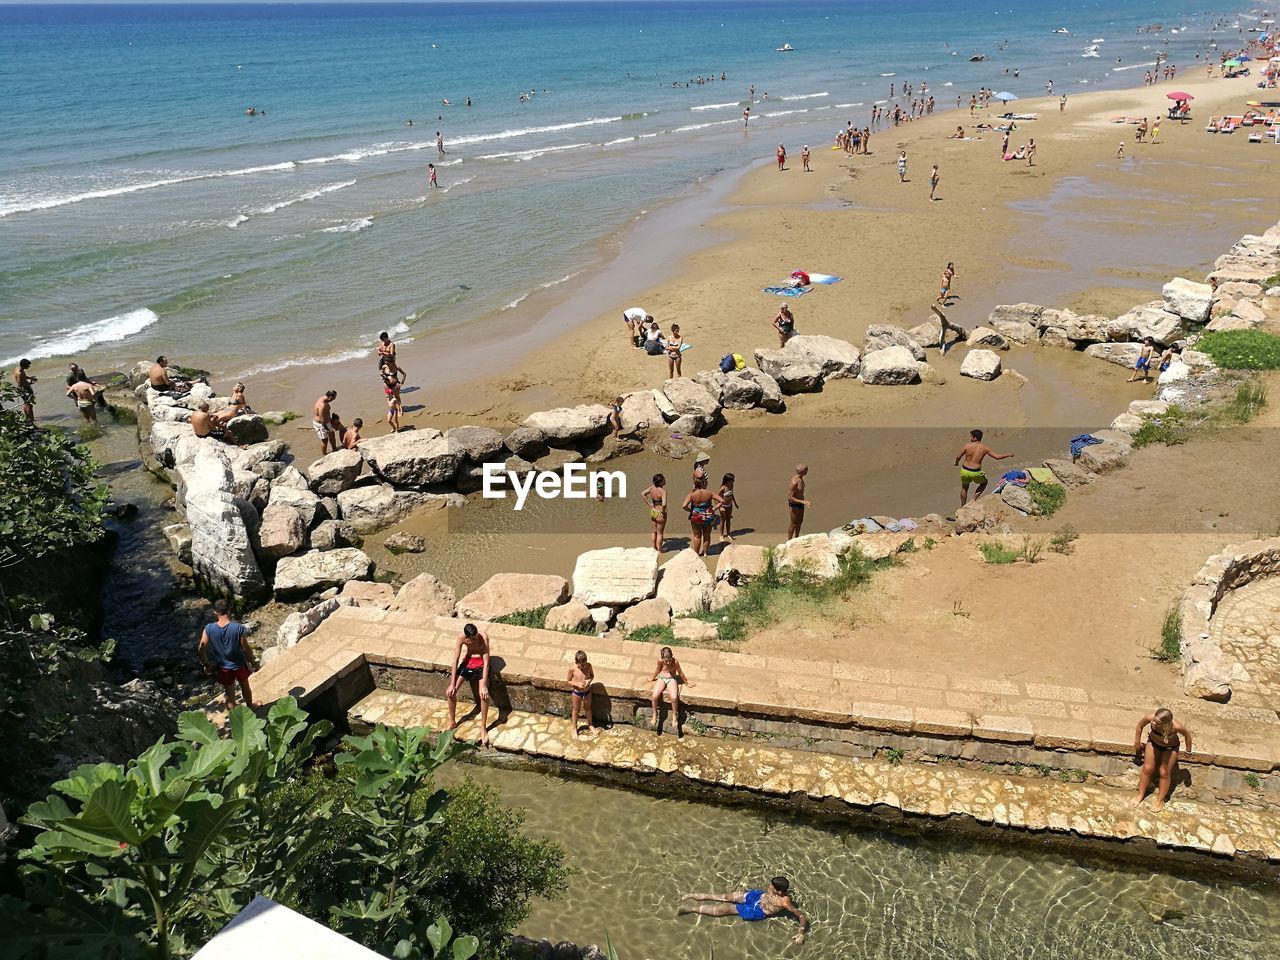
point(784, 291)
point(1017, 477)
point(1080, 442)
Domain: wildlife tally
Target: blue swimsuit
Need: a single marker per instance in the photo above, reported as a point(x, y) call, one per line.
point(749, 909)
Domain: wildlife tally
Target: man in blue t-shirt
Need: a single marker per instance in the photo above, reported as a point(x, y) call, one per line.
point(224, 647)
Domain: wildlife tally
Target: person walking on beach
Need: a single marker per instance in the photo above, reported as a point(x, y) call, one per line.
point(387, 355)
point(785, 324)
point(674, 358)
point(1155, 130)
point(470, 663)
point(667, 679)
point(728, 503)
point(944, 290)
point(1159, 754)
point(581, 679)
point(902, 167)
point(439, 144)
point(804, 158)
point(395, 406)
point(933, 182)
point(26, 389)
point(1031, 151)
point(431, 176)
point(655, 498)
point(1004, 145)
point(322, 421)
point(749, 905)
point(1120, 151)
point(1143, 364)
point(746, 116)
point(796, 502)
point(969, 460)
point(701, 505)
point(782, 158)
point(224, 652)
point(1062, 104)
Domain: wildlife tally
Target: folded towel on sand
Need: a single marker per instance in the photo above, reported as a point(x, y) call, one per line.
point(1016, 477)
point(825, 278)
point(865, 525)
point(1042, 475)
point(783, 291)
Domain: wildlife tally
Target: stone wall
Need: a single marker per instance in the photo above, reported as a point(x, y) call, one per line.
point(1207, 672)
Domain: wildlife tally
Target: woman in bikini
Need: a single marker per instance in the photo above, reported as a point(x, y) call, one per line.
point(615, 416)
point(667, 678)
point(391, 387)
point(655, 498)
point(674, 359)
point(237, 407)
point(728, 503)
point(701, 505)
point(785, 324)
point(470, 664)
point(1159, 754)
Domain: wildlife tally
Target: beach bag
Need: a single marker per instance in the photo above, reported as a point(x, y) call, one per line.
point(739, 362)
point(727, 363)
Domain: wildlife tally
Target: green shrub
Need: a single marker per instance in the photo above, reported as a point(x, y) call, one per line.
point(1063, 538)
point(1242, 349)
point(1249, 399)
point(1048, 497)
point(534, 619)
point(1170, 428)
point(1031, 549)
point(1171, 636)
point(999, 553)
point(654, 634)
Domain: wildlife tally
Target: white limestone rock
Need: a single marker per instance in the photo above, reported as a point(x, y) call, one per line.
point(980, 365)
point(1187, 299)
point(412, 458)
point(616, 576)
point(506, 593)
point(221, 553)
point(319, 570)
point(685, 583)
point(893, 366)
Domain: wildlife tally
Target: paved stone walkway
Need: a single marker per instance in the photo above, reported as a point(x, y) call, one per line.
point(894, 701)
point(1246, 626)
point(932, 790)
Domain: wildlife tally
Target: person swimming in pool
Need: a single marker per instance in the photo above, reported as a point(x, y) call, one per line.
point(750, 905)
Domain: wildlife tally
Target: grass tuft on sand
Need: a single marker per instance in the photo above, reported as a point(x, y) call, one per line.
point(1171, 636)
point(999, 553)
point(1048, 497)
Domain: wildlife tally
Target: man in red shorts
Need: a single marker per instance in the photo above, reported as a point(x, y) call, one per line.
point(224, 647)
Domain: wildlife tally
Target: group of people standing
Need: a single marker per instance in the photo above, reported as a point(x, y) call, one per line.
point(644, 333)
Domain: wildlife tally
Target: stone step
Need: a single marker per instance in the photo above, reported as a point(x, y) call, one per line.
point(936, 792)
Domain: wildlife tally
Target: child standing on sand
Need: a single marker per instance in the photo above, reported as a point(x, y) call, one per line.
point(728, 504)
point(902, 167)
point(804, 158)
point(581, 679)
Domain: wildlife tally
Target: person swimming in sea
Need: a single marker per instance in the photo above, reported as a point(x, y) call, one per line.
point(749, 905)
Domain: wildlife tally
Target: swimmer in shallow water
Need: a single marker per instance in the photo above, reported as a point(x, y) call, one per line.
point(750, 905)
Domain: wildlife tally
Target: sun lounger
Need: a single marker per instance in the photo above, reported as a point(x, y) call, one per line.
point(1255, 137)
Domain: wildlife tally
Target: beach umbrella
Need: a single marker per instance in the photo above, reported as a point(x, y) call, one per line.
point(1004, 96)
point(1179, 95)
point(1232, 63)
point(1243, 58)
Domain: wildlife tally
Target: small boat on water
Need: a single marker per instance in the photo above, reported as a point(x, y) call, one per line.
point(785, 48)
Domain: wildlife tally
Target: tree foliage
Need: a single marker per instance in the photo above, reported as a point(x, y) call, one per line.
point(153, 858)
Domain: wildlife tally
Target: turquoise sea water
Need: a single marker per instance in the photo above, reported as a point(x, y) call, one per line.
point(141, 210)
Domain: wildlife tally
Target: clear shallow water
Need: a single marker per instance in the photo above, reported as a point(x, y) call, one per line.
point(141, 210)
point(870, 893)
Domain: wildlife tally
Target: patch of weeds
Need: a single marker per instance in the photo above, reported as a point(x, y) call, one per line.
point(1044, 769)
point(1048, 497)
point(1063, 539)
point(288, 415)
point(892, 755)
point(1249, 399)
point(696, 725)
point(1032, 548)
point(1169, 428)
point(910, 546)
point(191, 373)
point(998, 553)
point(1251, 780)
point(122, 414)
point(1017, 769)
point(1072, 775)
point(535, 619)
point(930, 543)
point(1171, 636)
point(958, 610)
point(654, 634)
point(1242, 349)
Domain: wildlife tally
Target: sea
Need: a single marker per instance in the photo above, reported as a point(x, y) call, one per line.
point(144, 210)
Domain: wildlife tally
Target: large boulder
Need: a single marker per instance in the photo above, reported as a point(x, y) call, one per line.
point(741, 562)
point(568, 425)
point(248, 428)
point(299, 624)
point(365, 593)
point(640, 413)
point(665, 406)
point(527, 443)
point(329, 534)
point(836, 359)
point(319, 570)
point(793, 373)
point(221, 553)
point(506, 593)
point(892, 366)
point(1018, 498)
point(814, 554)
point(770, 392)
point(691, 399)
point(654, 612)
point(927, 334)
point(713, 380)
point(1015, 313)
point(425, 597)
point(881, 337)
point(571, 617)
point(413, 458)
point(179, 537)
point(738, 392)
point(372, 508)
point(335, 472)
point(685, 582)
point(304, 501)
point(477, 444)
point(1069, 474)
point(281, 532)
point(1231, 269)
point(980, 365)
point(616, 576)
point(1017, 331)
point(1122, 354)
point(1149, 320)
point(1187, 299)
point(986, 337)
point(1103, 457)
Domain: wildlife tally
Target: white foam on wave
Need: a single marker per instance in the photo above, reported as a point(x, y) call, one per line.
point(716, 106)
point(400, 327)
point(276, 365)
point(78, 339)
point(784, 113)
point(845, 106)
point(1134, 66)
point(526, 131)
point(355, 226)
point(702, 126)
point(542, 286)
point(519, 156)
point(25, 205)
point(806, 96)
point(456, 183)
point(301, 198)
